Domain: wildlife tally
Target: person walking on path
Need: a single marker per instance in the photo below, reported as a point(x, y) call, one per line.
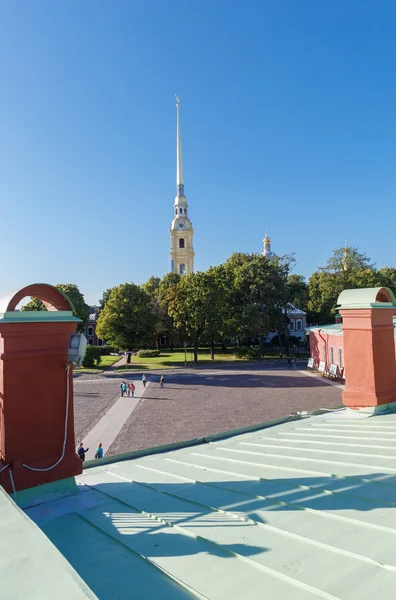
point(162, 381)
point(123, 389)
point(144, 380)
point(132, 389)
point(81, 452)
point(290, 363)
point(99, 451)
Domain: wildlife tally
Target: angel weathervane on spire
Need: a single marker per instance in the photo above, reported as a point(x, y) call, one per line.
point(177, 100)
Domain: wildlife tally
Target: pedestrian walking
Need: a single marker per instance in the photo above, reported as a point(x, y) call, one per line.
point(132, 388)
point(162, 381)
point(289, 362)
point(81, 451)
point(280, 354)
point(144, 380)
point(99, 451)
point(123, 389)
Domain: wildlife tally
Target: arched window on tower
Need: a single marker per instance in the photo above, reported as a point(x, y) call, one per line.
point(181, 243)
point(182, 269)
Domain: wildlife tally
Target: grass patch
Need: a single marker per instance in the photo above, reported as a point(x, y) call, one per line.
point(106, 362)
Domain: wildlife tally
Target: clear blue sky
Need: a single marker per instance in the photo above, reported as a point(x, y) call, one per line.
point(288, 123)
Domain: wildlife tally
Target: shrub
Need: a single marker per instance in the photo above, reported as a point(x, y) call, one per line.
point(241, 352)
point(148, 353)
point(93, 356)
point(246, 352)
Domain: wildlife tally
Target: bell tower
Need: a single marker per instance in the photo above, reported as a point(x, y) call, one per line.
point(181, 229)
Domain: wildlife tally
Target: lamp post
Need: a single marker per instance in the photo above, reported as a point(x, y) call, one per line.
point(185, 354)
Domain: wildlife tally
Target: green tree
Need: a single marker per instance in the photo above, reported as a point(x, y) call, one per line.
point(346, 268)
point(193, 306)
point(34, 304)
point(166, 293)
point(127, 320)
point(152, 285)
point(81, 308)
point(387, 278)
point(258, 296)
point(104, 298)
point(297, 291)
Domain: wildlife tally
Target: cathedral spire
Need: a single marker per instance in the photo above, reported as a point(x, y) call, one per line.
point(179, 157)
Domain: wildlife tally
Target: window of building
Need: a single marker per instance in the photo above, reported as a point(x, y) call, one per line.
point(181, 211)
point(100, 343)
point(182, 269)
point(90, 331)
point(90, 342)
point(299, 325)
point(323, 352)
point(340, 358)
point(331, 357)
point(291, 325)
point(181, 243)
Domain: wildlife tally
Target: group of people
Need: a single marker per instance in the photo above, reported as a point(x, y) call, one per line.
point(127, 390)
point(81, 451)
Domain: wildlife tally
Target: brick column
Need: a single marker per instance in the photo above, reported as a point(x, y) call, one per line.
point(369, 355)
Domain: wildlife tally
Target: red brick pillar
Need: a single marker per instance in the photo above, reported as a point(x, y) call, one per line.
point(33, 394)
point(369, 347)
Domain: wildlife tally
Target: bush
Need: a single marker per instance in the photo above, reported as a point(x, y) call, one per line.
point(93, 357)
point(148, 353)
point(246, 352)
point(241, 352)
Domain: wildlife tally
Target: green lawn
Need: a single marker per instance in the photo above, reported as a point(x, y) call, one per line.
point(107, 361)
point(167, 360)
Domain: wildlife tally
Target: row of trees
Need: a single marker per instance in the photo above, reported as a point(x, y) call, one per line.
point(243, 299)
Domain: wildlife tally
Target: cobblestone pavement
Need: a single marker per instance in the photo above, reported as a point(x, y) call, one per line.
point(93, 396)
point(197, 404)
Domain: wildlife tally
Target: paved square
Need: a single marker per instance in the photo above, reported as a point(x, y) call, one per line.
point(201, 403)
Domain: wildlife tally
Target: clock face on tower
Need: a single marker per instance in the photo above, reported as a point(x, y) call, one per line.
point(181, 225)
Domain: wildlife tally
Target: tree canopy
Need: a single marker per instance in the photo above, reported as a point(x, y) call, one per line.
point(127, 320)
point(81, 308)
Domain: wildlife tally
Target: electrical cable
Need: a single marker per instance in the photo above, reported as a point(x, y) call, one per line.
point(12, 484)
point(65, 431)
point(4, 468)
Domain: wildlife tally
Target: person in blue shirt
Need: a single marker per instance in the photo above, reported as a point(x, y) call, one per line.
point(81, 451)
point(99, 451)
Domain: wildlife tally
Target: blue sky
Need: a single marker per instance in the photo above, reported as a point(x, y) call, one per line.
point(288, 124)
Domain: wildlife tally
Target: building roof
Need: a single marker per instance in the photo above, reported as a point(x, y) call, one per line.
point(336, 328)
point(293, 310)
point(304, 510)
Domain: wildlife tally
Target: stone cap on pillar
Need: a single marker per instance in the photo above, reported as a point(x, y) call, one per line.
point(59, 306)
point(380, 297)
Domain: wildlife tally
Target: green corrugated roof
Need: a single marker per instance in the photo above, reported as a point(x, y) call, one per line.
point(303, 511)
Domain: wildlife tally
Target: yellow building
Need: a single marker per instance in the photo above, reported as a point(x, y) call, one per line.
point(181, 229)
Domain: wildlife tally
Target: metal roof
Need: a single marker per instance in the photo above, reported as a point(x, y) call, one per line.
point(304, 510)
point(381, 297)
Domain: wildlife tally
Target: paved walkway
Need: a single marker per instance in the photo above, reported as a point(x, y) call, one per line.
point(112, 422)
